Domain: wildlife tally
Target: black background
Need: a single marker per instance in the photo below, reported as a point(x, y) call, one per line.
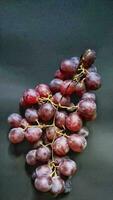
point(34, 37)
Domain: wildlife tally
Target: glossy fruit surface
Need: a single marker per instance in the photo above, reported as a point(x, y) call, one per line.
point(16, 135)
point(73, 122)
point(77, 143)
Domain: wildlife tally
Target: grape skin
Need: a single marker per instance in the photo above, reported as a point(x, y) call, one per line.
point(43, 154)
point(31, 157)
point(77, 143)
point(33, 134)
point(57, 185)
point(60, 146)
point(16, 135)
point(14, 120)
point(43, 183)
point(67, 167)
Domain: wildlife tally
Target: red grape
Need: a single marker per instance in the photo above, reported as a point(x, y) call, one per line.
point(68, 87)
point(77, 143)
point(67, 167)
point(16, 135)
point(93, 81)
point(87, 109)
point(43, 154)
point(33, 134)
point(58, 98)
point(14, 120)
point(43, 170)
point(46, 112)
point(88, 58)
point(55, 85)
point(60, 119)
point(43, 90)
point(68, 67)
point(57, 185)
point(43, 184)
point(80, 88)
point(59, 75)
point(31, 115)
point(89, 96)
point(51, 132)
point(73, 122)
point(30, 97)
point(60, 146)
point(31, 157)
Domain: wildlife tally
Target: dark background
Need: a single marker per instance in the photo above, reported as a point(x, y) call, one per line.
point(34, 37)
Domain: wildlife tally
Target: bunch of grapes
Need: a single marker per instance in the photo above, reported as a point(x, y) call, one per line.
point(54, 125)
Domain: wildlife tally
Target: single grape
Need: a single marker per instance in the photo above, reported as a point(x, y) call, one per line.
point(43, 154)
point(60, 119)
point(30, 97)
point(31, 115)
point(55, 85)
point(87, 109)
point(31, 157)
point(89, 96)
point(73, 122)
point(14, 120)
point(77, 143)
point(43, 170)
point(43, 184)
point(93, 81)
point(92, 69)
point(68, 87)
point(46, 112)
point(60, 146)
point(57, 185)
point(68, 67)
point(84, 132)
point(43, 90)
point(80, 88)
point(88, 58)
point(24, 123)
point(16, 135)
point(60, 75)
point(67, 167)
point(59, 99)
point(52, 132)
point(33, 134)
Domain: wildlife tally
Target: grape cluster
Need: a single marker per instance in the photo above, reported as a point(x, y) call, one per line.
point(54, 125)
